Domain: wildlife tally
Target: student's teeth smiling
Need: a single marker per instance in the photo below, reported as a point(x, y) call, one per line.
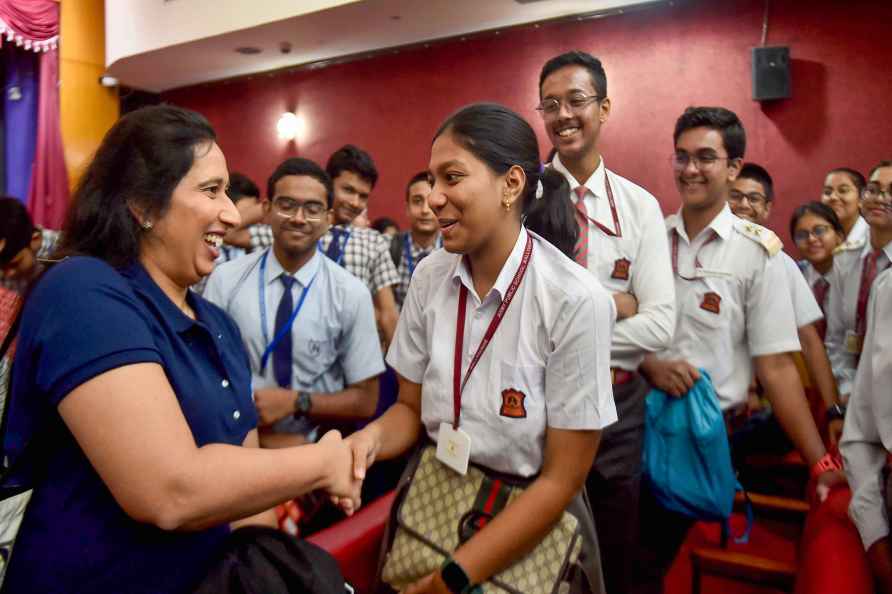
point(213, 239)
point(564, 132)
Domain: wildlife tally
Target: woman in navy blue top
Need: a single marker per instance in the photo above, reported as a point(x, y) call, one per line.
point(131, 411)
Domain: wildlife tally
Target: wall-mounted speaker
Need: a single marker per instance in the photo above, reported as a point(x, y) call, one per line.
point(771, 73)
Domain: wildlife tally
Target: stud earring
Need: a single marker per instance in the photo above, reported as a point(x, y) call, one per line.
point(146, 225)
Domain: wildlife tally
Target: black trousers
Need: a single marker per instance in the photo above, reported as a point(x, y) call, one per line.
point(613, 486)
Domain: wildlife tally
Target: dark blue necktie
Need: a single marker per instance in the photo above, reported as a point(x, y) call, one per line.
point(334, 248)
point(282, 356)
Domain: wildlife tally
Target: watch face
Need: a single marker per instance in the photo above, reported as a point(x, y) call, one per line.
point(454, 577)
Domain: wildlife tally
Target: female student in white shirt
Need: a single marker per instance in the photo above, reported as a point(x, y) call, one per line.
point(536, 401)
point(842, 192)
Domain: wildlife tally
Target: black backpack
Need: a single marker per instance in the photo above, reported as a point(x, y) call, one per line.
point(396, 247)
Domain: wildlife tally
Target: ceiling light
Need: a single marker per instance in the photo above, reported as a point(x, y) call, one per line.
point(248, 50)
point(108, 81)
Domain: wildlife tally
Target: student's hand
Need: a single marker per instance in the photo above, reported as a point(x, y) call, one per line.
point(429, 584)
point(673, 377)
point(273, 404)
point(626, 305)
point(365, 445)
point(834, 431)
point(827, 481)
point(341, 485)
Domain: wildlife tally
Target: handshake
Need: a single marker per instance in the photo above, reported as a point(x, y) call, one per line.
point(346, 462)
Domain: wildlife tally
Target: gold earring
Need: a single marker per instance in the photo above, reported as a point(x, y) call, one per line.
point(147, 225)
point(506, 204)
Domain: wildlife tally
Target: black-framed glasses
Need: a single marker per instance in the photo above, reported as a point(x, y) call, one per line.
point(680, 161)
point(754, 198)
point(877, 193)
point(288, 207)
point(803, 235)
point(551, 106)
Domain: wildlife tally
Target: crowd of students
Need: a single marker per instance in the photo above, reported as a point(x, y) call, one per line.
point(193, 354)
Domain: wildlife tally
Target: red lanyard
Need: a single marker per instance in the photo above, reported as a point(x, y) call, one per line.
point(619, 231)
point(696, 256)
point(869, 271)
point(458, 385)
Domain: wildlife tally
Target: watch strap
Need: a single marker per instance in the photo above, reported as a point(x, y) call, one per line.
point(455, 578)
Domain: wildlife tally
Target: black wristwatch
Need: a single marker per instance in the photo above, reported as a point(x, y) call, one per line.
point(837, 411)
point(302, 404)
point(456, 579)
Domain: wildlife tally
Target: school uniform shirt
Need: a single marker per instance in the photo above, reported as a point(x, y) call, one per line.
point(410, 255)
point(334, 339)
point(812, 278)
point(548, 364)
point(637, 262)
point(85, 318)
point(867, 434)
point(735, 307)
point(857, 237)
point(805, 306)
point(365, 255)
point(842, 308)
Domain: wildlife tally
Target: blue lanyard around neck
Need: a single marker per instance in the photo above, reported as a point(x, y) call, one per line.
point(342, 243)
point(287, 327)
point(407, 250)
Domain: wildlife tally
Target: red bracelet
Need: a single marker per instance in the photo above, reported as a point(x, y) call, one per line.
point(827, 463)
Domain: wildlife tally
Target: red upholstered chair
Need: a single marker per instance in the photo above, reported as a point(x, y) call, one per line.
point(831, 556)
point(356, 542)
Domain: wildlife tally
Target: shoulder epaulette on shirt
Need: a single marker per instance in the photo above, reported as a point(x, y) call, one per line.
point(850, 244)
point(764, 237)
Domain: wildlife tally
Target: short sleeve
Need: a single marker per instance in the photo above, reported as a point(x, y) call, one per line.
point(82, 320)
point(360, 349)
point(409, 353)
point(770, 320)
point(578, 390)
point(383, 271)
point(805, 305)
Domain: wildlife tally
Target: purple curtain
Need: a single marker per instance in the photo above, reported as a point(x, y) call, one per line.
point(20, 107)
point(48, 193)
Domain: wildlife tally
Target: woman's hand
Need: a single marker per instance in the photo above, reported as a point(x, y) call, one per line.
point(429, 584)
point(365, 445)
point(343, 487)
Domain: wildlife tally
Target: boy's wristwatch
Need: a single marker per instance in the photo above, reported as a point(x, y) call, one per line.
point(302, 404)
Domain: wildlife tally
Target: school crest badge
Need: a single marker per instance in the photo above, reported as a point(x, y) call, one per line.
point(712, 302)
point(512, 404)
point(621, 269)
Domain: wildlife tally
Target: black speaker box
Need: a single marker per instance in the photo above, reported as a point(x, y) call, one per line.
point(771, 73)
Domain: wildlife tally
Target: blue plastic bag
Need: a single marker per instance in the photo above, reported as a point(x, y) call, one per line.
point(687, 459)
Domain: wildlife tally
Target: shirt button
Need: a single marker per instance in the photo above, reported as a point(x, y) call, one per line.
point(219, 337)
point(236, 415)
point(225, 383)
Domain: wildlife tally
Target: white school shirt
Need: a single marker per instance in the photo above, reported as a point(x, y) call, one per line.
point(334, 337)
point(842, 308)
point(737, 307)
point(552, 349)
point(650, 272)
point(867, 434)
point(857, 237)
point(805, 306)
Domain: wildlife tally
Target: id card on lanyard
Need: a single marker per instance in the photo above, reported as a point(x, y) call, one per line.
point(342, 245)
point(453, 444)
point(284, 330)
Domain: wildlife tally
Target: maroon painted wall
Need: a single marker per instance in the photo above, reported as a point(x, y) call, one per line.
point(658, 61)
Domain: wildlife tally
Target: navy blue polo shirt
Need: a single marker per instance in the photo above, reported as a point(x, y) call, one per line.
point(85, 318)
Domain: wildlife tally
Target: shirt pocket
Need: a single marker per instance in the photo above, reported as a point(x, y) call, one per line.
point(615, 264)
point(521, 392)
point(708, 311)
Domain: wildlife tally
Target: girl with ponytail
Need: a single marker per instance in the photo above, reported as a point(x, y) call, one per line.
point(502, 348)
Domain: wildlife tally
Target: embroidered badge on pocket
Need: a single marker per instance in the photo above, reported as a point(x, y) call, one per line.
point(512, 404)
point(712, 302)
point(621, 269)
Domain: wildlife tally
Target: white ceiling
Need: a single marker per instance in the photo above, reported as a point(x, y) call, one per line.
point(163, 44)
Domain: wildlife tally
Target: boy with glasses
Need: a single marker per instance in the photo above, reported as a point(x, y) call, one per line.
point(308, 325)
point(621, 244)
point(727, 278)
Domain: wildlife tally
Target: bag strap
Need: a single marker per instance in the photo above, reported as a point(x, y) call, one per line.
point(13, 330)
point(744, 537)
point(396, 248)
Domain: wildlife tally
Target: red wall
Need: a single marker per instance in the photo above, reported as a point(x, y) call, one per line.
point(658, 61)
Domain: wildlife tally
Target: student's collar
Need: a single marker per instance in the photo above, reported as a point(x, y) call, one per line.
point(595, 183)
point(722, 224)
point(506, 275)
point(303, 275)
point(143, 283)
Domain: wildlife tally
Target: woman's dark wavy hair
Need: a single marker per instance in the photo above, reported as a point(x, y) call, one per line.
point(139, 163)
point(501, 139)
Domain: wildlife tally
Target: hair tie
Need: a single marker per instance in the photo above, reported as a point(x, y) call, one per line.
point(541, 168)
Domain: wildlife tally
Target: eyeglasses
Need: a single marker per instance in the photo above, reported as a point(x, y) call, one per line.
point(819, 231)
point(551, 106)
point(754, 198)
point(287, 208)
point(876, 193)
point(680, 161)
